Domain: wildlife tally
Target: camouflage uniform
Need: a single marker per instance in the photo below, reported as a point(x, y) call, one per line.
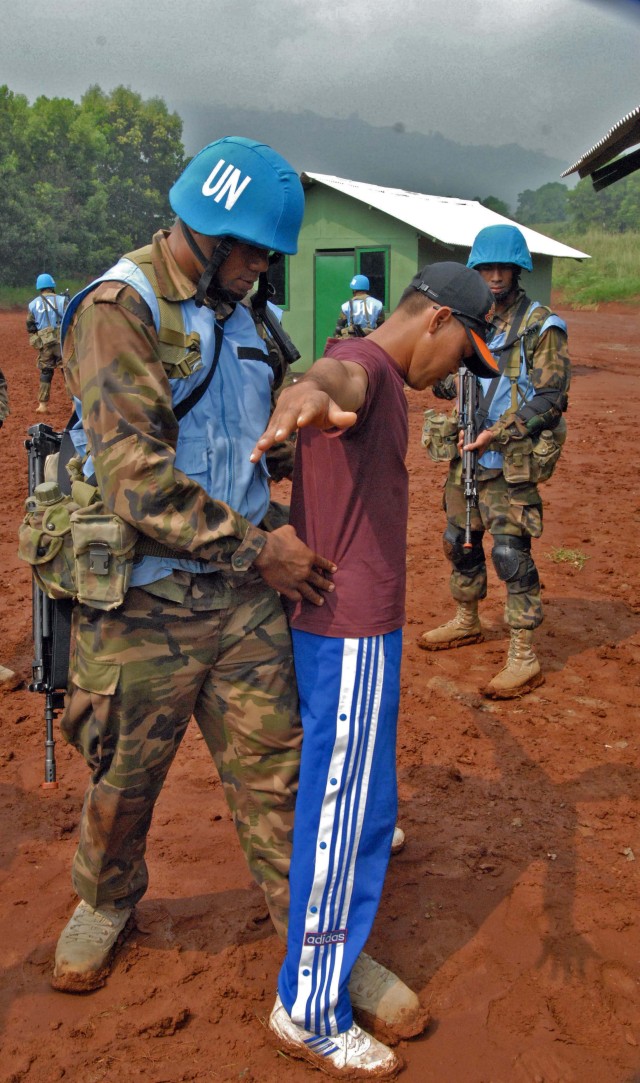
point(212, 643)
point(4, 398)
point(503, 508)
point(43, 322)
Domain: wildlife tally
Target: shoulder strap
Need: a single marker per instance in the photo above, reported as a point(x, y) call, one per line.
point(188, 404)
point(181, 352)
point(52, 308)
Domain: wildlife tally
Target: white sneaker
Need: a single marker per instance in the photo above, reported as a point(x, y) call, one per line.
point(87, 945)
point(398, 840)
point(353, 1054)
point(383, 1002)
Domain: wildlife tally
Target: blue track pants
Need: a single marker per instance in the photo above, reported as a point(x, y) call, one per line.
point(345, 815)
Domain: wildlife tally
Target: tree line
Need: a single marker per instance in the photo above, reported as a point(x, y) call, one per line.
point(82, 183)
point(615, 209)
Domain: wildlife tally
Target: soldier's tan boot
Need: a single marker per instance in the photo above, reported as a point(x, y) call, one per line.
point(463, 629)
point(87, 945)
point(521, 672)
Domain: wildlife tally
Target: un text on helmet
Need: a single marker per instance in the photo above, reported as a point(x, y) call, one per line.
point(228, 184)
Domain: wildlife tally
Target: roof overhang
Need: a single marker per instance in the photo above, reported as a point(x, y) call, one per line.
point(597, 163)
point(446, 220)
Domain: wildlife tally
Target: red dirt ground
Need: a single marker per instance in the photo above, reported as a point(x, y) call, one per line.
point(513, 909)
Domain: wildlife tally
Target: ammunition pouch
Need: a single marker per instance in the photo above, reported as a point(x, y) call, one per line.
point(533, 459)
point(517, 465)
point(77, 550)
point(47, 336)
point(440, 436)
point(103, 550)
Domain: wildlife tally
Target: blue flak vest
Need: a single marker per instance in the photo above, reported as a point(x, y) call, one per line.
point(48, 313)
point(363, 311)
point(503, 398)
point(218, 434)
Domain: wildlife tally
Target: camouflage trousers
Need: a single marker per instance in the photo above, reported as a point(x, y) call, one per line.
point(515, 510)
point(48, 361)
point(138, 674)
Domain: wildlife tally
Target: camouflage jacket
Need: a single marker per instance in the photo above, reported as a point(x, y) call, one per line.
point(112, 366)
point(549, 371)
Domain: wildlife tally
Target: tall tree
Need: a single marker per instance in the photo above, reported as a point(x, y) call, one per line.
point(545, 204)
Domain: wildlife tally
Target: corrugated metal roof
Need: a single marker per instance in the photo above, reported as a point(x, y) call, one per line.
point(450, 221)
point(624, 134)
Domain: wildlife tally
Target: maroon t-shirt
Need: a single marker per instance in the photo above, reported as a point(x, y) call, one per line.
point(349, 503)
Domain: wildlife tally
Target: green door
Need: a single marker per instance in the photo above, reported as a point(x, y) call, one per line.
point(333, 273)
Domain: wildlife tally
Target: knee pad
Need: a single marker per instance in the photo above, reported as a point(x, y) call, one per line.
point(513, 563)
point(467, 561)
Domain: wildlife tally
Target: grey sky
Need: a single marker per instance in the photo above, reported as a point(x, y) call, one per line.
point(552, 75)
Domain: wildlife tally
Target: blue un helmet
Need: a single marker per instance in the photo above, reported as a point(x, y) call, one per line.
point(359, 282)
point(500, 244)
point(239, 190)
point(45, 282)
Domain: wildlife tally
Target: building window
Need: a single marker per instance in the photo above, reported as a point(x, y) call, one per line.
point(278, 275)
point(374, 263)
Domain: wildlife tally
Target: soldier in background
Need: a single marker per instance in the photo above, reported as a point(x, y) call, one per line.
point(43, 324)
point(521, 430)
point(361, 314)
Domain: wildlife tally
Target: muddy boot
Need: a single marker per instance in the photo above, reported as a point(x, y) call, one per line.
point(463, 629)
point(521, 673)
point(383, 1003)
point(87, 945)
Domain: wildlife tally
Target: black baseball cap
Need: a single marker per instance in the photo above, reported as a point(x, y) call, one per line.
point(471, 302)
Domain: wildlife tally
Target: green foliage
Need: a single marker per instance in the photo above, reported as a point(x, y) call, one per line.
point(82, 183)
point(495, 204)
point(544, 205)
point(615, 209)
point(612, 273)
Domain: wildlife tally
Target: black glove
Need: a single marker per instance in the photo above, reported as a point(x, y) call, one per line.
point(445, 389)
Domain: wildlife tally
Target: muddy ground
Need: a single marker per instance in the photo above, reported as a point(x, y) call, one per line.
point(513, 909)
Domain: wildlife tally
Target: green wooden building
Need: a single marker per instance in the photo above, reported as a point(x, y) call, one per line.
point(387, 234)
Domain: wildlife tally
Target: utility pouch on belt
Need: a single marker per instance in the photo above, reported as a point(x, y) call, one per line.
point(47, 336)
point(517, 465)
point(546, 450)
point(44, 540)
point(103, 548)
point(440, 436)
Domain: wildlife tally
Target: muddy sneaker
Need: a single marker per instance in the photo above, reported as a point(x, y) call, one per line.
point(398, 840)
point(87, 945)
point(460, 631)
point(354, 1054)
point(42, 408)
point(521, 672)
point(383, 1002)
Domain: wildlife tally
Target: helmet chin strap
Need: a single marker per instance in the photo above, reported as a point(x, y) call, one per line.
point(208, 288)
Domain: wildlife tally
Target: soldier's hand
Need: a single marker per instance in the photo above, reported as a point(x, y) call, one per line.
point(445, 389)
point(291, 568)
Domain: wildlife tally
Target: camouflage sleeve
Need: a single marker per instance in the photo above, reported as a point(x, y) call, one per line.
point(32, 326)
point(550, 375)
point(380, 319)
point(341, 324)
point(112, 365)
point(4, 398)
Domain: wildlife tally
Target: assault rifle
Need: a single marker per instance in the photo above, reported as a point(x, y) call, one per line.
point(51, 620)
point(467, 406)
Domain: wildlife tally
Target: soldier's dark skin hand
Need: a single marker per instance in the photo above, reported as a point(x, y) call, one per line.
point(291, 568)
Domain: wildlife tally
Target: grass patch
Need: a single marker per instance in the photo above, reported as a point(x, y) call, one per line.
point(612, 273)
point(574, 557)
point(19, 296)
